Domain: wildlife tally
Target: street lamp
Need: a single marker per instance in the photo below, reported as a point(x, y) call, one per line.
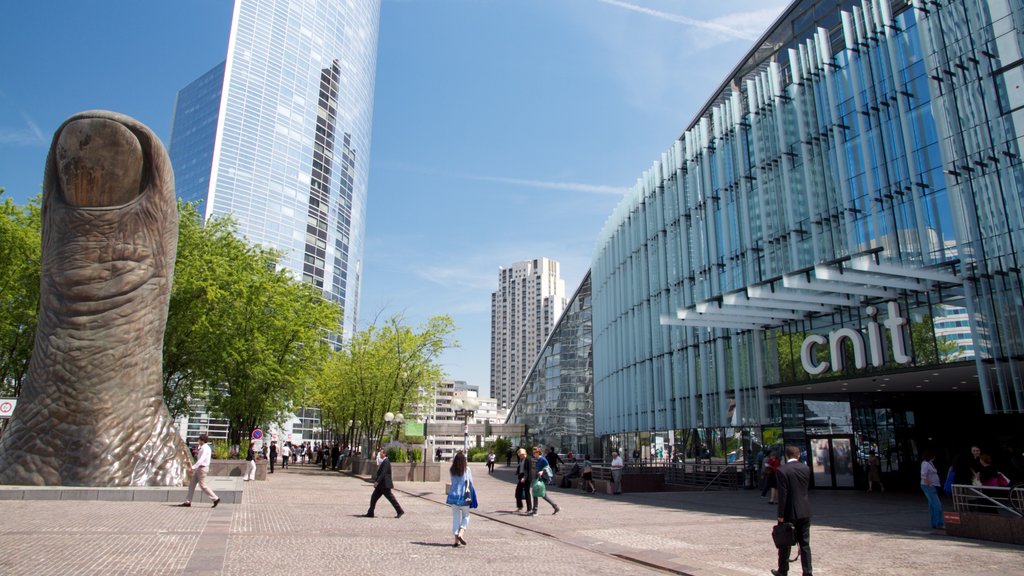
point(397, 419)
point(465, 409)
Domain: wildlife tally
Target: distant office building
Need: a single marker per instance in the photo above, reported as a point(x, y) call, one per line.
point(442, 412)
point(529, 299)
point(278, 136)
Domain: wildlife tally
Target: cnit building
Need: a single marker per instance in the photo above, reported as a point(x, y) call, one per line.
point(829, 255)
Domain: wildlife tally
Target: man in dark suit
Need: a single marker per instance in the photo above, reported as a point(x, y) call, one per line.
point(794, 506)
point(382, 485)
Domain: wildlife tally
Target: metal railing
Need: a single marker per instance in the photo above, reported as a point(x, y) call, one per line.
point(703, 475)
point(989, 499)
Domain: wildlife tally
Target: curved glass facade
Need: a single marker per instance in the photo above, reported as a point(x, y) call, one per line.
point(854, 183)
point(290, 155)
point(556, 401)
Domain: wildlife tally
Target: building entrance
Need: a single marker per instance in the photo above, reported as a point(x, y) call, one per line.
point(832, 460)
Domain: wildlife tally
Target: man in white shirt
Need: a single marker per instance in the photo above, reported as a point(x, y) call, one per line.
point(199, 474)
point(617, 465)
point(286, 454)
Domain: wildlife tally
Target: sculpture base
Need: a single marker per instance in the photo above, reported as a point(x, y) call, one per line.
point(228, 489)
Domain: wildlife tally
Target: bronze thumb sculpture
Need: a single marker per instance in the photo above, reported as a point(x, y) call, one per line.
point(91, 412)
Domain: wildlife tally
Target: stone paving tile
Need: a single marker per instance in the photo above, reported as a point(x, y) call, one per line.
point(305, 521)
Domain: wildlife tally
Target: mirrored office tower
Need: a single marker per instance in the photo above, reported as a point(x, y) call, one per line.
point(278, 135)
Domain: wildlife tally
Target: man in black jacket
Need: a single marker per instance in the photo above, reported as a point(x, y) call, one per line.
point(794, 506)
point(382, 485)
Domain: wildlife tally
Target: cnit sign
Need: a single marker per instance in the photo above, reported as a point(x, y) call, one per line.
point(894, 324)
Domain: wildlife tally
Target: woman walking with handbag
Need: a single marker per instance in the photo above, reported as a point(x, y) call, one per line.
point(461, 497)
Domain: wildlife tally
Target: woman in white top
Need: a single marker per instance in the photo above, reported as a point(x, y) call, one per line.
point(929, 483)
point(461, 479)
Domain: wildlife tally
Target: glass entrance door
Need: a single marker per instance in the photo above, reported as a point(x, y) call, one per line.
point(831, 461)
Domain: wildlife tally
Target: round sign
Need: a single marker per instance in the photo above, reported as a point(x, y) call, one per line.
point(257, 434)
point(6, 408)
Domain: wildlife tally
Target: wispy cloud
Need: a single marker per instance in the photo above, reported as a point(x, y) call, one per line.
point(27, 135)
point(721, 25)
point(458, 277)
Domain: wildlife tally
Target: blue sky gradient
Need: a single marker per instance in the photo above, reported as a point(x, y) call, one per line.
point(504, 130)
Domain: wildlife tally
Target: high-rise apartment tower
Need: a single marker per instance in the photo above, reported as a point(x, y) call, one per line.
point(529, 299)
point(278, 135)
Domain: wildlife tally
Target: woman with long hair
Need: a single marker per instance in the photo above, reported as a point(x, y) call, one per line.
point(461, 484)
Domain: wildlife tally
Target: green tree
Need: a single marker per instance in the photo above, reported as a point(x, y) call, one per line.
point(242, 336)
point(20, 239)
point(383, 368)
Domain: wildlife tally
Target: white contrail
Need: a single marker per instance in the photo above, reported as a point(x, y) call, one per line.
point(713, 26)
point(546, 184)
point(571, 186)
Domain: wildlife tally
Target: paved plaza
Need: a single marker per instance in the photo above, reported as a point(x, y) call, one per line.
point(306, 521)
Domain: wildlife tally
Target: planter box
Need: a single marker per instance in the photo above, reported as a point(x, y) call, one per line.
point(236, 468)
point(400, 471)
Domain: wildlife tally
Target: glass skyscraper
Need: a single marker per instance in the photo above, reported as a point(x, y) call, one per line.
point(556, 400)
point(278, 136)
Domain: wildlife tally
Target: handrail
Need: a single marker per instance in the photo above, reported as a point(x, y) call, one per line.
point(715, 479)
point(968, 498)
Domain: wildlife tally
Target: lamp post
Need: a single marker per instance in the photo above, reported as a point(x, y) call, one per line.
point(465, 409)
point(396, 419)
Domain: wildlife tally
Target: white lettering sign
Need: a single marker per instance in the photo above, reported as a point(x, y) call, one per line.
point(861, 356)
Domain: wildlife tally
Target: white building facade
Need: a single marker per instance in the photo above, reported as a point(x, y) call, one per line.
point(529, 300)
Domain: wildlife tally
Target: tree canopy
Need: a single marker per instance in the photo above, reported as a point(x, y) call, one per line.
point(242, 336)
point(389, 367)
point(20, 241)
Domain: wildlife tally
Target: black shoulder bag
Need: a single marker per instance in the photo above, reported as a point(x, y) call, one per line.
point(784, 534)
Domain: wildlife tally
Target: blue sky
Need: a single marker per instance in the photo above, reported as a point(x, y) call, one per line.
point(504, 130)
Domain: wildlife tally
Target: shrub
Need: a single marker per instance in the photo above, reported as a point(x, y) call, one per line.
point(220, 449)
point(397, 454)
point(417, 455)
point(477, 454)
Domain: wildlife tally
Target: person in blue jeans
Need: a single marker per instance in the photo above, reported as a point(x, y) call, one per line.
point(929, 484)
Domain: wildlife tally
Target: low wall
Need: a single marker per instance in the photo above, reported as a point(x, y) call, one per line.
point(982, 526)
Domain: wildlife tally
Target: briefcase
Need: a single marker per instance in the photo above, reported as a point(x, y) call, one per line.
point(784, 534)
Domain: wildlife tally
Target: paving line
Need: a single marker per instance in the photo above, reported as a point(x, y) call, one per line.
point(211, 548)
point(618, 556)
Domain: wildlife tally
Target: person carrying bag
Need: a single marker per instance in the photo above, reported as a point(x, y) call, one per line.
point(461, 497)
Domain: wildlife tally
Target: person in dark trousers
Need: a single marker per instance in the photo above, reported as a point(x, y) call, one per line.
point(273, 455)
point(553, 459)
point(382, 485)
point(524, 474)
point(793, 478)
